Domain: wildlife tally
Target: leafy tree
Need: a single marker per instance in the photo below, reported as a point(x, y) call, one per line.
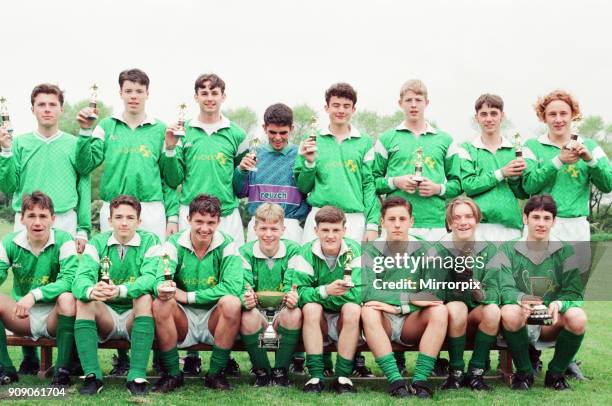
point(245, 117)
point(302, 118)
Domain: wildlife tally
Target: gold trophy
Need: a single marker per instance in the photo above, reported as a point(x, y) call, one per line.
point(4, 114)
point(105, 264)
point(418, 166)
point(253, 152)
point(314, 127)
point(167, 285)
point(93, 102)
point(348, 271)
point(180, 131)
point(573, 142)
point(518, 146)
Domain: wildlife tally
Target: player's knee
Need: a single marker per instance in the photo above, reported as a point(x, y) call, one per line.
point(491, 314)
point(438, 315)
point(250, 321)
point(575, 320)
point(512, 317)
point(162, 309)
point(369, 315)
point(351, 313)
point(230, 307)
point(292, 318)
point(457, 313)
point(85, 308)
point(66, 304)
point(143, 304)
point(312, 312)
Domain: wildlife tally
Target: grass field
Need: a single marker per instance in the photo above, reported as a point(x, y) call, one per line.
point(596, 355)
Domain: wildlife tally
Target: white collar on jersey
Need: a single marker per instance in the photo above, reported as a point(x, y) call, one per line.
point(134, 242)
point(429, 129)
point(477, 143)
point(353, 133)
point(448, 243)
point(49, 140)
point(185, 241)
point(21, 239)
point(554, 244)
point(147, 119)
point(258, 253)
point(544, 139)
point(219, 125)
point(318, 251)
point(413, 245)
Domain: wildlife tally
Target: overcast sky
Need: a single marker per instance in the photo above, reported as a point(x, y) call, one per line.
point(290, 51)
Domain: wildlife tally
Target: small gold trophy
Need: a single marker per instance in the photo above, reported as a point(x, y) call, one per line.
point(105, 264)
point(4, 114)
point(518, 146)
point(314, 127)
point(418, 166)
point(167, 285)
point(253, 152)
point(180, 131)
point(93, 102)
point(348, 271)
point(573, 142)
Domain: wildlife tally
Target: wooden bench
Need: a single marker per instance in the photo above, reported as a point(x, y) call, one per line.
point(46, 351)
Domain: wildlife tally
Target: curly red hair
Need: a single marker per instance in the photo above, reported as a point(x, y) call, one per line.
point(543, 102)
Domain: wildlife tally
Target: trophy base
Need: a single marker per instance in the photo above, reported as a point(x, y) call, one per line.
point(539, 321)
point(179, 134)
point(167, 289)
point(269, 340)
point(349, 284)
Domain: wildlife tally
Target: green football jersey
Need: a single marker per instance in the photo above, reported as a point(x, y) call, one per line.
point(265, 273)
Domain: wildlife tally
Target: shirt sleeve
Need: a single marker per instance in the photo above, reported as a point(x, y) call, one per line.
point(84, 206)
point(87, 273)
point(452, 170)
point(383, 184)
point(69, 263)
point(90, 149)
point(600, 170)
point(304, 173)
point(371, 202)
point(9, 169)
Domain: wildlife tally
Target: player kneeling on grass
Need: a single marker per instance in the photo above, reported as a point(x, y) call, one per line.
point(204, 306)
point(395, 307)
point(473, 308)
point(266, 268)
point(117, 308)
point(44, 261)
point(540, 270)
point(330, 304)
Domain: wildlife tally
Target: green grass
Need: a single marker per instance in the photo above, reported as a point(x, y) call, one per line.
point(596, 354)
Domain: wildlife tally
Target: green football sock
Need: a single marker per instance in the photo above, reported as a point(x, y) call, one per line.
point(170, 361)
point(456, 347)
point(482, 346)
point(65, 340)
point(424, 366)
point(389, 367)
point(86, 337)
point(289, 339)
point(344, 367)
point(518, 344)
point(143, 331)
point(259, 356)
point(327, 360)
point(314, 364)
point(5, 359)
point(218, 360)
point(30, 353)
point(566, 349)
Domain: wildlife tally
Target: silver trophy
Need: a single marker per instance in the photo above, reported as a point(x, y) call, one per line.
point(418, 166)
point(93, 103)
point(180, 131)
point(167, 287)
point(253, 152)
point(573, 142)
point(539, 286)
point(348, 271)
point(518, 146)
point(105, 264)
point(4, 114)
point(314, 127)
point(269, 302)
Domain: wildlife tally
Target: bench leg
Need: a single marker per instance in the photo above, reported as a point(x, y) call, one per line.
point(46, 362)
point(506, 366)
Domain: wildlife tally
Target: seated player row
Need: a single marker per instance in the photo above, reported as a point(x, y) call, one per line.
point(198, 287)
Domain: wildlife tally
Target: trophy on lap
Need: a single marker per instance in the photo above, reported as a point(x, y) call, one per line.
point(269, 302)
point(180, 131)
point(93, 103)
point(105, 264)
point(539, 285)
point(348, 271)
point(418, 166)
point(4, 115)
point(167, 287)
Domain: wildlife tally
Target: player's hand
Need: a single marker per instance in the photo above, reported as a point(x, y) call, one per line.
point(171, 228)
point(180, 296)
point(425, 299)
point(308, 149)
point(82, 117)
point(383, 307)
point(100, 292)
point(291, 298)
point(80, 245)
point(336, 288)
point(583, 153)
point(250, 298)
point(568, 156)
point(112, 291)
point(405, 183)
point(166, 295)
point(553, 310)
point(514, 168)
point(527, 301)
point(6, 139)
point(23, 306)
point(169, 138)
point(370, 235)
point(428, 188)
point(247, 163)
